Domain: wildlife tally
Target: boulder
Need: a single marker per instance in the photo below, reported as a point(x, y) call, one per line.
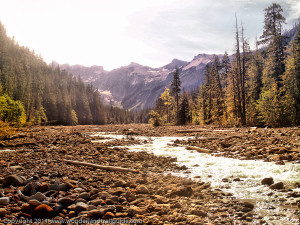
point(277, 186)
point(267, 181)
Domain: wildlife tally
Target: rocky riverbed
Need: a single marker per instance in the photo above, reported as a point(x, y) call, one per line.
point(37, 185)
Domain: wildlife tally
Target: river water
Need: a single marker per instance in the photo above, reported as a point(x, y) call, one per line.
point(221, 172)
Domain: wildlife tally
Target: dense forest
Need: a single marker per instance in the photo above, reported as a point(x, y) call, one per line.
point(32, 92)
point(252, 87)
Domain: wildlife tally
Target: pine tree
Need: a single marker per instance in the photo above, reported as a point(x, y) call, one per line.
point(269, 103)
point(184, 109)
point(290, 90)
point(176, 88)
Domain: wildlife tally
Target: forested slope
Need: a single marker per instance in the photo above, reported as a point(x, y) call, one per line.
point(48, 93)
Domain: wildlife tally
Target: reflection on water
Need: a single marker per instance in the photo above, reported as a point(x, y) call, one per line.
point(221, 173)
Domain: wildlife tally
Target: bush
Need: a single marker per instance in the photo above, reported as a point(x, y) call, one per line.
point(155, 118)
point(12, 111)
point(5, 130)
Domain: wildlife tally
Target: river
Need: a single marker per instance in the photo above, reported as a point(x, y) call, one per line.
point(241, 178)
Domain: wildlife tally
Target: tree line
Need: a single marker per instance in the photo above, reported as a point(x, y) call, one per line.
point(32, 92)
point(251, 87)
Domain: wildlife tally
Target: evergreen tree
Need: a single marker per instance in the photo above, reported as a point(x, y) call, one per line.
point(290, 90)
point(269, 102)
point(184, 109)
point(176, 88)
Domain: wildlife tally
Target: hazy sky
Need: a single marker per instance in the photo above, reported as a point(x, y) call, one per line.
point(113, 33)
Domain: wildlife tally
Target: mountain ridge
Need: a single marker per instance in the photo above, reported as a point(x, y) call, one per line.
point(135, 86)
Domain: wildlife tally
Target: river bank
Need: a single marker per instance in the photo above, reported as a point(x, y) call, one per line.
point(37, 184)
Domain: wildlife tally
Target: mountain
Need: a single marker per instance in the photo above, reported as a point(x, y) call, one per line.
point(135, 86)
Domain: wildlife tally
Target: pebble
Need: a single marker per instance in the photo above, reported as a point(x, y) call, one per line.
point(65, 201)
point(80, 206)
point(96, 213)
point(34, 202)
point(43, 212)
point(13, 180)
point(134, 210)
point(4, 200)
point(142, 190)
point(3, 212)
point(38, 196)
point(84, 195)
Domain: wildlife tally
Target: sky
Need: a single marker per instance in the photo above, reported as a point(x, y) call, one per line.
point(114, 33)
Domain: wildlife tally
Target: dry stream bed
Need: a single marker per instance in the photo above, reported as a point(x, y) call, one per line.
point(186, 175)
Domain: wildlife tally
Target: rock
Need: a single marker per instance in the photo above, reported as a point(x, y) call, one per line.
point(108, 215)
point(63, 187)
point(38, 196)
point(43, 212)
point(54, 187)
point(134, 210)
point(26, 207)
point(120, 183)
point(44, 187)
point(142, 190)
point(58, 207)
point(199, 213)
point(80, 206)
point(65, 201)
point(248, 205)
point(72, 214)
point(268, 181)
point(13, 180)
point(96, 202)
point(109, 202)
point(84, 195)
point(91, 207)
point(29, 189)
point(4, 200)
point(34, 202)
point(277, 186)
point(183, 191)
point(2, 212)
point(119, 208)
point(96, 213)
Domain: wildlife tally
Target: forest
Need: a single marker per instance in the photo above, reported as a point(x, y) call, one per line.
point(32, 92)
point(259, 87)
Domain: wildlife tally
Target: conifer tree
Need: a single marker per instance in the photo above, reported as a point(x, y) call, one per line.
point(176, 88)
point(269, 103)
point(184, 109)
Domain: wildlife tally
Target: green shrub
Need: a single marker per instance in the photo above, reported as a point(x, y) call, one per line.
point(12, 111)
point(155, 118)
